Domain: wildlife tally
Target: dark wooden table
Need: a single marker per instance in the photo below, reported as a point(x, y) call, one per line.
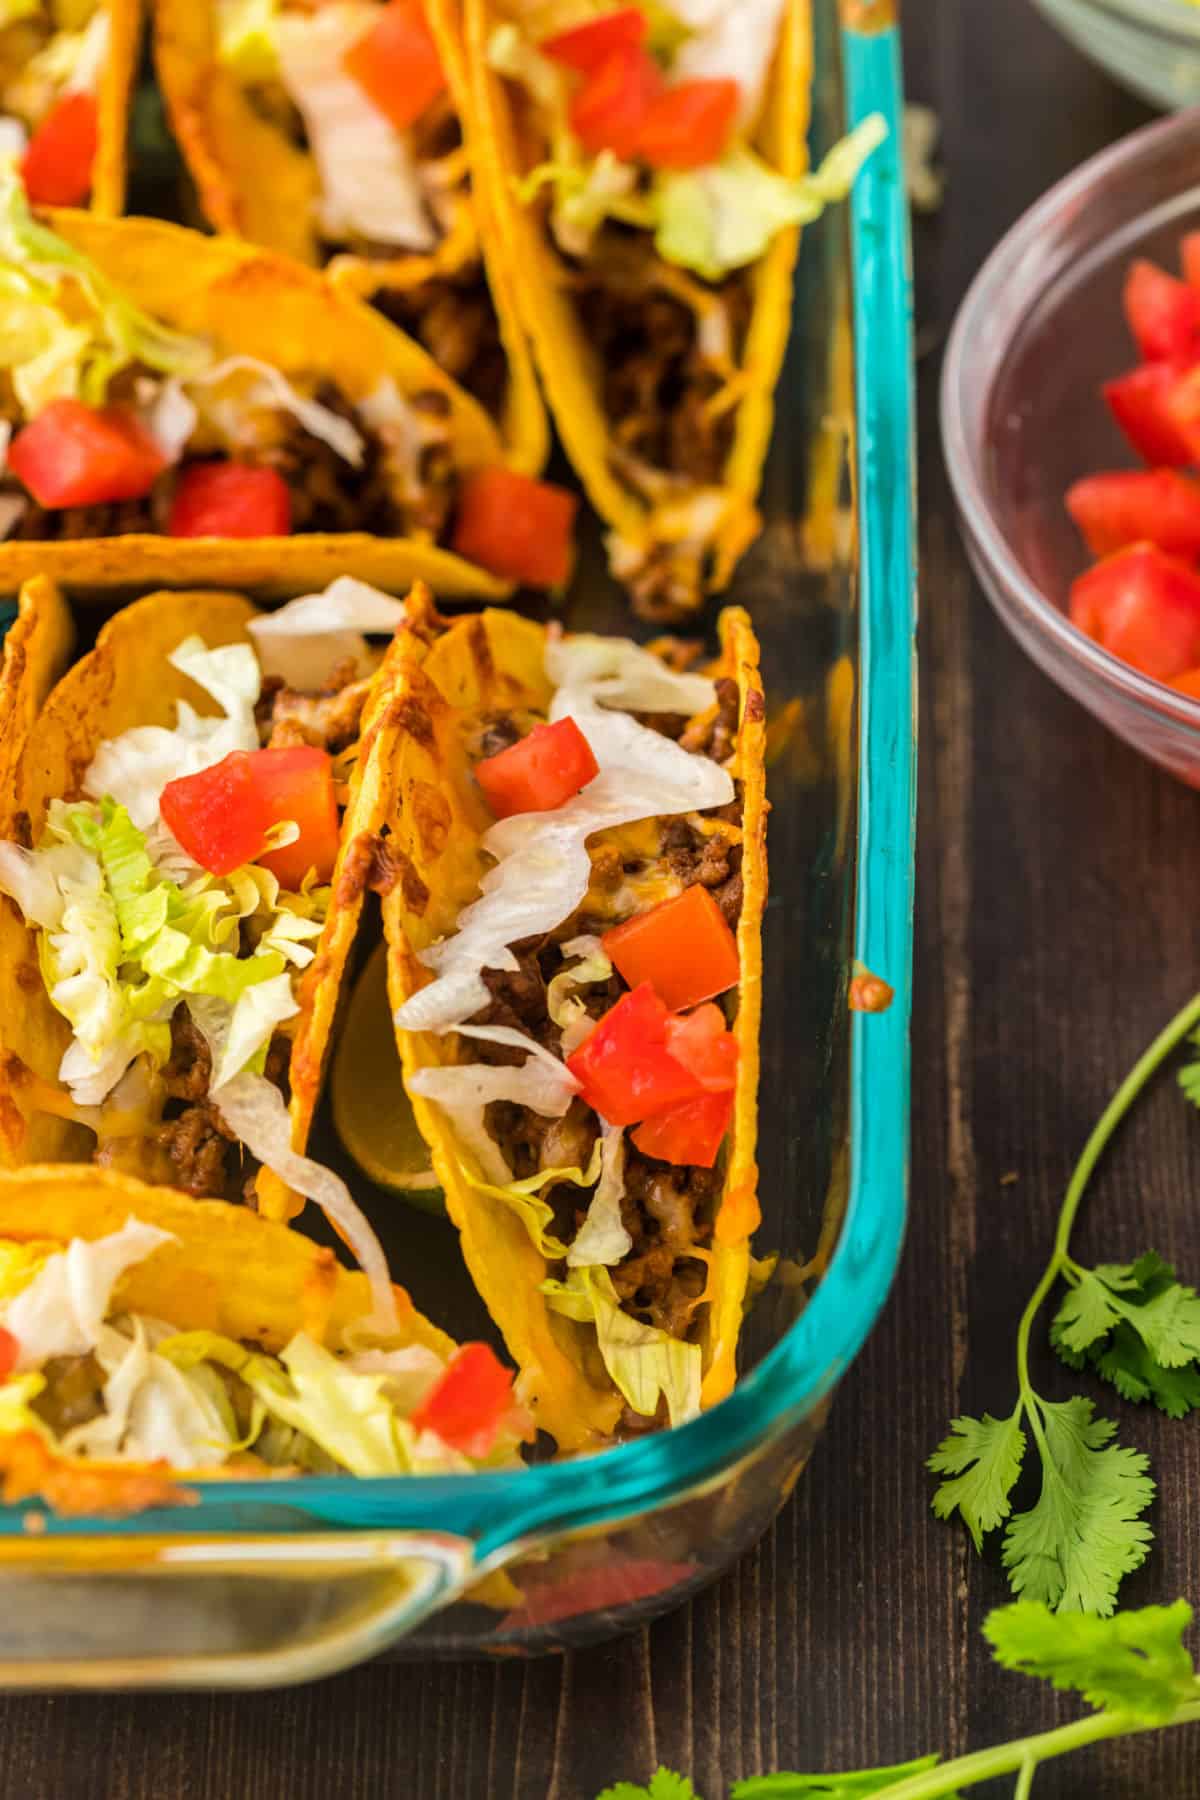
point(1059, 922)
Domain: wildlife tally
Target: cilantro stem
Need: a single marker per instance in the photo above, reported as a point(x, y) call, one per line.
point(1149, 1061)
point(1025, 1754)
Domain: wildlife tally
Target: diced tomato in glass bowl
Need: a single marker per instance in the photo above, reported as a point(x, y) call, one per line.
point(1071, 425)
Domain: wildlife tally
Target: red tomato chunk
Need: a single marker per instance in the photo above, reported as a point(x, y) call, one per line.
point(1138, 402)
point(1130, 506)
point(541, 772)
point(586, 46)
point(77, 455)
point(1144, 607)
point(57, 165)
point(467, 1404)
point(10, 1352)
point(610, 109)
point(683, 947)
point(221, 815)
point(517, 527)
point(625, 1070)
point(688, 126)
point(689, 1133)
point(396, 63)
point(227, 499)
point(1163, 313)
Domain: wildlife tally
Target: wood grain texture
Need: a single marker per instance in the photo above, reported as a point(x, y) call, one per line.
point(1058, 928)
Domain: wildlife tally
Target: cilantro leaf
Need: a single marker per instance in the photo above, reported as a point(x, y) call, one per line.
point(1084, 1534)
point(664, 1784)
point(1134, 1662)
point(1188, 1076)
point(985, 1455)
point(1136, 1376)
point(1088, 1312)
point(860, 1784)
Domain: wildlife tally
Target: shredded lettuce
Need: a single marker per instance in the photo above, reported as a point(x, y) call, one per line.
point(256, 1112)
point(67, 330)
point(726, 42)
point(463, 1090)
point(250, 384)
point(564, 1006)
point(152, 1410)
point(246, 38)
point(135, 767)
point(302, 641)
point(621, 674)
point(370, 182)
point(63, 1308)
point(524, 1199)
point(643, 1362)
point(584, 194)
point(511, 54)
point(72, 62)
point(602, 1238)
point(722, 217)
point(346, 1412)
point(542, 864)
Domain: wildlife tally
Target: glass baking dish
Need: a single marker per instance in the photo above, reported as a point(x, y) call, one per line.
point(259, 1582)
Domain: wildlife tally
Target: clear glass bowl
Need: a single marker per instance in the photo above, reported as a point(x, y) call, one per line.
point(259, 1582)
point(1151, 47)
point(1022, 415)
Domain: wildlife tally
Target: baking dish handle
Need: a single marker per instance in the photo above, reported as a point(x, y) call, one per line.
point(87, 1611)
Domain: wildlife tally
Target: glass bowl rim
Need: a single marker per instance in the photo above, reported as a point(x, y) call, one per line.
point(959, 398)
point(1168, 18)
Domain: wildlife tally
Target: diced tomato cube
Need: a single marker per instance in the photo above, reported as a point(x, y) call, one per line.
point(703, 1043)
point(682, 946)
point(396, 63)
point(1163, 312)
point(77, 455)
point(516, 526)
point(624, 1067)
point(1181, 407)
point(467, 1404)
point(230, 500)
point(218, 815)
point(1189, 254)
point(297, 783)
point(586, 46)
point(1187, 683)
point(610, 109)
point(221, 815)
point(1131, 506)
point(10, 1352)
point(1137, 402)
point(688, 1134)
point(543, 770)
point(57, 165)
point(688, 126)
point(1144, 607)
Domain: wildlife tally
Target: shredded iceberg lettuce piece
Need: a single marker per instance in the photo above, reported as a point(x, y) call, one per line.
point(135, 767)
point(617, 673)
point(643, 1361)
point(524, 1199)
point(729, 43)
point(602, 1238)
point(724, 216)
point(255, 1111)
point(302, 641)
point(62, 1310)
point(152, 1410)
point(246, 38)
point(584, 194)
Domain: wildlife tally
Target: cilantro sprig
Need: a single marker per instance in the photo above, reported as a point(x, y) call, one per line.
point(1134, 1670)
point(1139, 1329)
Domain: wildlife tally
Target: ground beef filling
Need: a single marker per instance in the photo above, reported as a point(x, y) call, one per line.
point(205, 1157)
point(667, 1210)
point(658, 383)
point(454, 319)
point(328, 493)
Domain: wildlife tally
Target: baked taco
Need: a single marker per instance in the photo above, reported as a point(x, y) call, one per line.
point(574, 963)
point(333, 134)
point(646, 173)
point(66, 74)
point(147, 1340)
point(186, 838)
point(189, 409)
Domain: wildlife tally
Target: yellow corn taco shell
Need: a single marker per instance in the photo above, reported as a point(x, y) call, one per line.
point(256, 303)
point(569, 366)
point(126, 681)
point(442, 680)
point(254, 182)
point(230, 1271)
point(113, 100)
